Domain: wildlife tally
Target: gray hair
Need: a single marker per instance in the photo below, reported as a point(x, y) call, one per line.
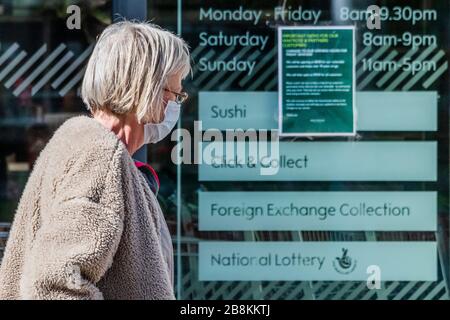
point(129, 68)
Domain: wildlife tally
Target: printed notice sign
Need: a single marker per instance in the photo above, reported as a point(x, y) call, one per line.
point(316, 81)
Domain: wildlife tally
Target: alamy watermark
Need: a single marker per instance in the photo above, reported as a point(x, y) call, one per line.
point(74, 19)
point(236, 148)
point(374, 279)
point(373, 18)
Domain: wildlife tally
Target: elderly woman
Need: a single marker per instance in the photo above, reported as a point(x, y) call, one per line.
point(88, 226)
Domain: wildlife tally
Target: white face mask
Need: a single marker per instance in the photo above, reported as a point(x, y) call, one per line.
point(155, 132)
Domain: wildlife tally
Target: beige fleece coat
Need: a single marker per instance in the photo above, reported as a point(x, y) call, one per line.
point(87, 225)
